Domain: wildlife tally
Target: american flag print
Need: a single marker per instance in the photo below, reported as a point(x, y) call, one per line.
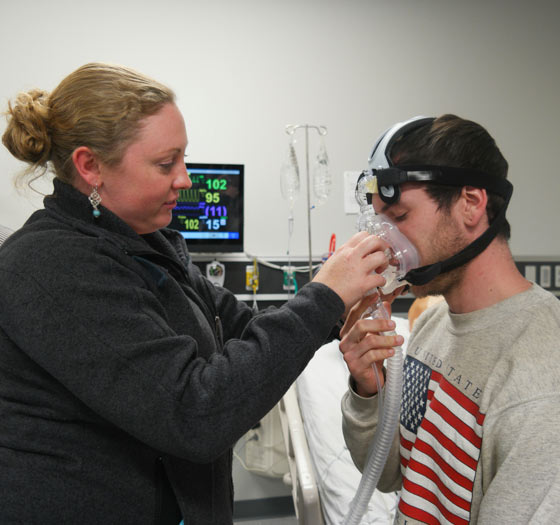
point(440, 440)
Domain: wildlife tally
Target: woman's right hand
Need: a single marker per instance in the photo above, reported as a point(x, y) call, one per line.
point(353, 269)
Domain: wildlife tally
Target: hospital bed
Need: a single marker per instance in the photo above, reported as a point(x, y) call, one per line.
point(322, 475)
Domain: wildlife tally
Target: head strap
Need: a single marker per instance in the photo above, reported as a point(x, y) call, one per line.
point(425, 274)
point(389, 178)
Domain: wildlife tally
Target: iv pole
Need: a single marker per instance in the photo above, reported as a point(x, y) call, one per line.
point(321, 130)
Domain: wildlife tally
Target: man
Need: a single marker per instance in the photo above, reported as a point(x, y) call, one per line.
point(480, 412)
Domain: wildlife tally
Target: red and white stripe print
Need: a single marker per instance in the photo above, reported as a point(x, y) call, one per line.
point(441, 436)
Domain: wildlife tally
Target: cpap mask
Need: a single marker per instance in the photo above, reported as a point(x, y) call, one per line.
point(384, 179)
point(402, 254)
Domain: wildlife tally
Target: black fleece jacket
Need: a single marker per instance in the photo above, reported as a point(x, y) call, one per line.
point(125, 373)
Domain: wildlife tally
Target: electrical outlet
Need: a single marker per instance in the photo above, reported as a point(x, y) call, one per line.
point(545, 276)
point(531, 273)
point(289, 282)
point(251, 278)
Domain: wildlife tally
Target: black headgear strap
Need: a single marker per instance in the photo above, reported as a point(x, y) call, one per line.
point(397, 175)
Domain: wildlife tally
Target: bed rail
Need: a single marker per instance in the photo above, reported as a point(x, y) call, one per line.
point(305, 493)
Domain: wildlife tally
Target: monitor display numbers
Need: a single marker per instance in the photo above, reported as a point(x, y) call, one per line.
point(210, 213)
point(216, 184)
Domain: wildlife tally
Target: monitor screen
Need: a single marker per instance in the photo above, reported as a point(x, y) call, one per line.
point(209, 215)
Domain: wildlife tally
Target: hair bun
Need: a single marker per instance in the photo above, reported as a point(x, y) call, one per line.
point(27, 136)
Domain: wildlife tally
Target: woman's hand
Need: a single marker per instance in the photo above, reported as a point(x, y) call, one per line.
point(363, 345)
point(353, 269)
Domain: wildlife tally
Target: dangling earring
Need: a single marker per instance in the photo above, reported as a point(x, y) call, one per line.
point(95, 200)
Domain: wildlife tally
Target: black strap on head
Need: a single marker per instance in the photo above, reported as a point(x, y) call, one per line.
point(502, 187)
point(389, 181)
point(390, 178)
point(447, 175)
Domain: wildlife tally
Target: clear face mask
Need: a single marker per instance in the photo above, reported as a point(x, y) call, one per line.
point(402, 254)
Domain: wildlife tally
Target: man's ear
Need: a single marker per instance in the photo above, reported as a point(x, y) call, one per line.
point(474, 202)
point(87, 165)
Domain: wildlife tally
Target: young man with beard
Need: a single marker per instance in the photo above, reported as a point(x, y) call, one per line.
point(478, 440)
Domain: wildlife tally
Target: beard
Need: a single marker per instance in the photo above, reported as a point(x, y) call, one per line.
point(448, 241)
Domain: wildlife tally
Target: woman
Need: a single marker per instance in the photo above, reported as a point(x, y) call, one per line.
point(4, 233)
point(125, 377)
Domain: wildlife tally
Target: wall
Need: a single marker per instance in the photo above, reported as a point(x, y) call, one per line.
point(243, 70)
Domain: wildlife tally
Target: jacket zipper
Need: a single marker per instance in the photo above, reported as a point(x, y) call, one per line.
point(159, 490)
point(207, 307)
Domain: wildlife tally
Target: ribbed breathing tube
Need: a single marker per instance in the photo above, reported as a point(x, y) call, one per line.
point(389, 411)
point(402, 257)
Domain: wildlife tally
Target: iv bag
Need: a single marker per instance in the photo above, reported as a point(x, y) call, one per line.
point(289, 176)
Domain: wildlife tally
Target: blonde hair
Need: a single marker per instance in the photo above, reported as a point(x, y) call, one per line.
point(100, 106)
point(419, 305)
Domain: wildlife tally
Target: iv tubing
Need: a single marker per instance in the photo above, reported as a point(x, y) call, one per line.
point(383, 439)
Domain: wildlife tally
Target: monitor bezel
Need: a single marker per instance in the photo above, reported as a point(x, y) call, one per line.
point(214, 246)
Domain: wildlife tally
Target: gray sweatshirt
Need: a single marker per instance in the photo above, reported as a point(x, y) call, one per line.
point(479, 440)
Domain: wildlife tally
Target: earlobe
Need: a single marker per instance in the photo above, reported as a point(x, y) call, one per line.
point(475, 200)
point(87, 166)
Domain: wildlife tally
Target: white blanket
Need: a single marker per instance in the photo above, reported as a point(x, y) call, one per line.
point(320, 389)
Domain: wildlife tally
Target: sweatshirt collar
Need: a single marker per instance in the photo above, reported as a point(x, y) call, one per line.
point(499, 312)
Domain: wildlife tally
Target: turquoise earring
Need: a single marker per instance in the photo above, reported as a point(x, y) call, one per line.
point(95, 200)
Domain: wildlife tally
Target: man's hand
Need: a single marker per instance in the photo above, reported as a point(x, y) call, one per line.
point(363, 346)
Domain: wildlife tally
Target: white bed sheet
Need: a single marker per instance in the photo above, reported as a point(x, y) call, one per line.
point(320, 389)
